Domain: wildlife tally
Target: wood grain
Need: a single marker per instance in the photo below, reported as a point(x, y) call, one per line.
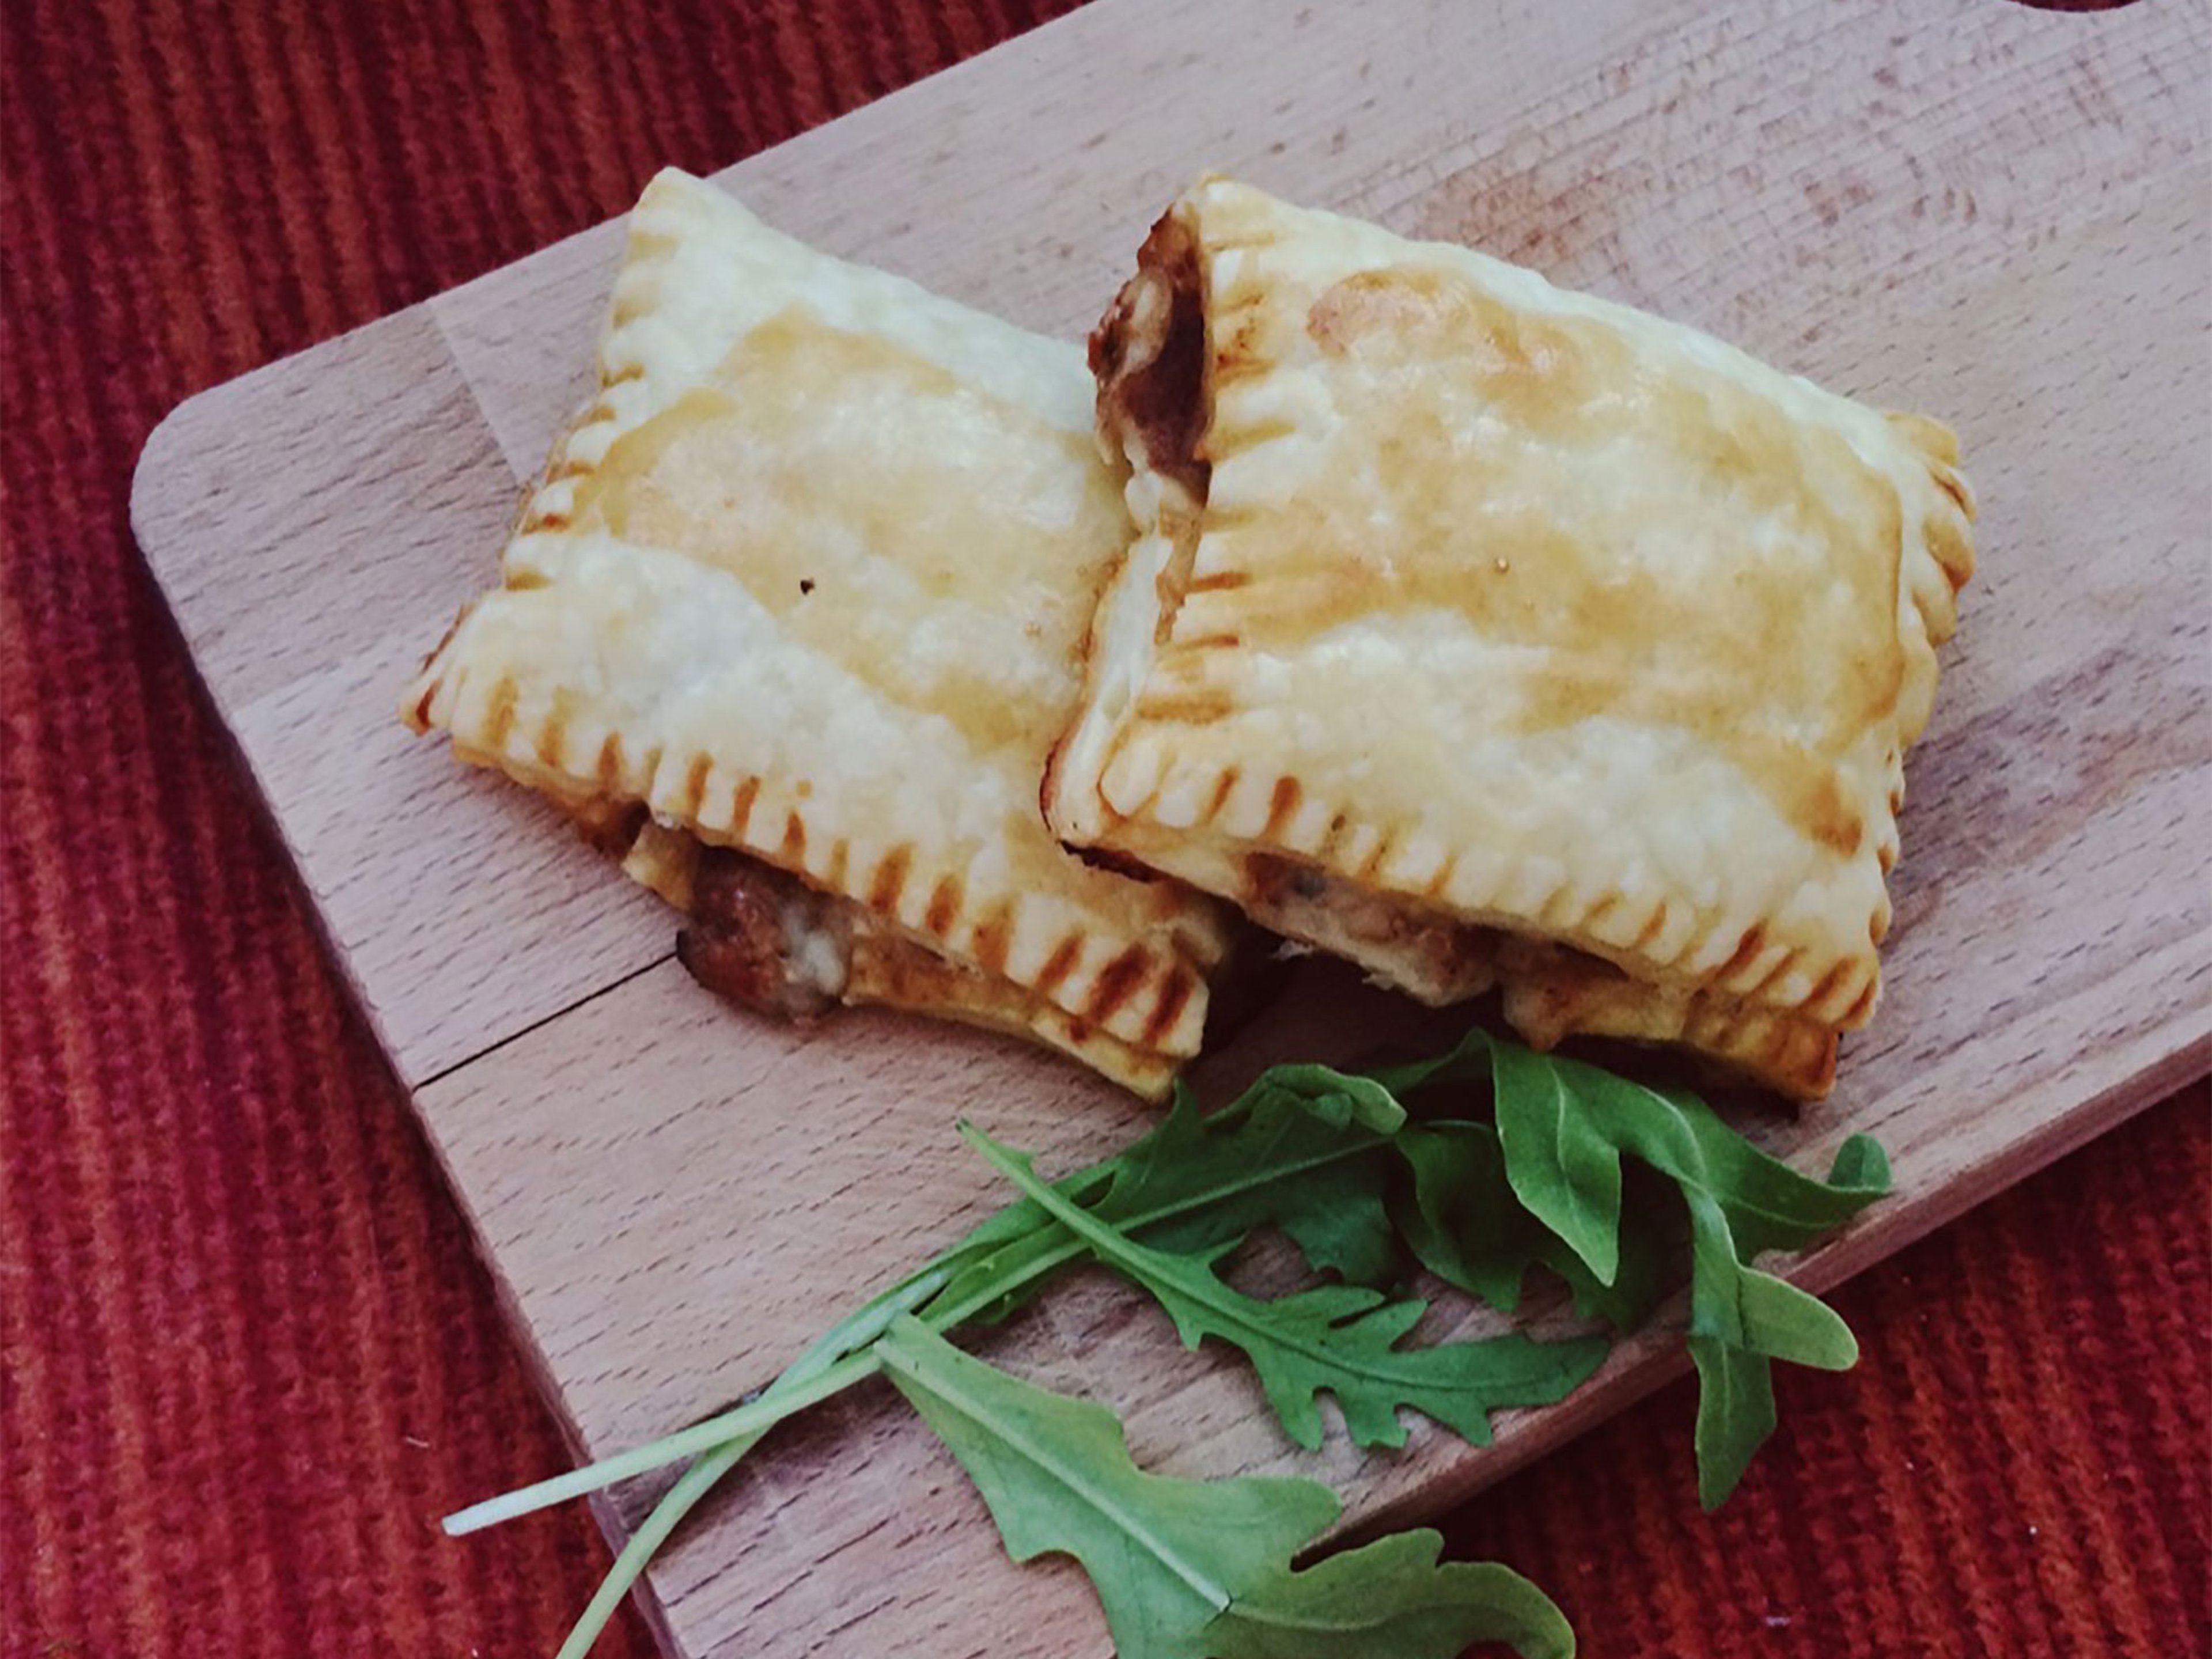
point(1994, 213)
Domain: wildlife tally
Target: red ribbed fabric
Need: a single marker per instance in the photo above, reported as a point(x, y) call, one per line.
point(247, 1357)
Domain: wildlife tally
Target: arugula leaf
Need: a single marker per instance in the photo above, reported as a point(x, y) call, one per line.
point(1299, 1151)
point(1340, 1099)
point(1561, 1162)
point(1337, 1217)
point(1736, 1415)
point(1391, 1597)
point(1769, 1204)
point(1461, 1219)
point(1165, 1555)
point(1747, 1308)
point(1295, 1151)
point(1564, 1127)
point(1740, 1320)
point(1338, 1339)
point(1572, 1120)
point(1565, 1123)
point(1290, 1153)
point(1198, 1569)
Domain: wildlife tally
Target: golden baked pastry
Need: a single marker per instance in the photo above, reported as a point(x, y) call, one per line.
point(790, 624)
point(1492, 634)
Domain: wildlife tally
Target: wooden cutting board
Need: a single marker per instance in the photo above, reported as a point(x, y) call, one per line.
point(1994, 213)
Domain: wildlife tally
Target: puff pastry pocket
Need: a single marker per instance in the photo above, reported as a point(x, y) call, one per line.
point(1492, 634)
point(790, 625)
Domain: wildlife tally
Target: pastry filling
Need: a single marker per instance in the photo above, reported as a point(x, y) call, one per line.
point(764, 938)
point(1552, 991)
point(767, 941)
point(1148, 353)
point(1457, 959)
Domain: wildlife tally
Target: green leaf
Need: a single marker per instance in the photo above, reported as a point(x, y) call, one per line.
point(1466, 1060)
point(1561, 1162)
point(1564, 1127)
point(1770, 1205)
point(1336, 1339)
point(1296, 1150)
point(1861, 1164)
point(1337, 1217)
point(1165, 1556)
point(1460, 1218)
point(1200, 1569)
point(1739, 1305)
point(1391, 1597)
point(1330, 1207)
point(1340, 1099)
point(1740, 1320)
point(1736, 1415)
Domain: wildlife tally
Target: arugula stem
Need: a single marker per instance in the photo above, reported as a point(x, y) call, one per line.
point(823, 1369)
point(746, 1422)
point(694, 1484)
point(852, 1340)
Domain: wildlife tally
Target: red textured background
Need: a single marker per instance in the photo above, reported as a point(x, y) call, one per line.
point(247, 1358)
